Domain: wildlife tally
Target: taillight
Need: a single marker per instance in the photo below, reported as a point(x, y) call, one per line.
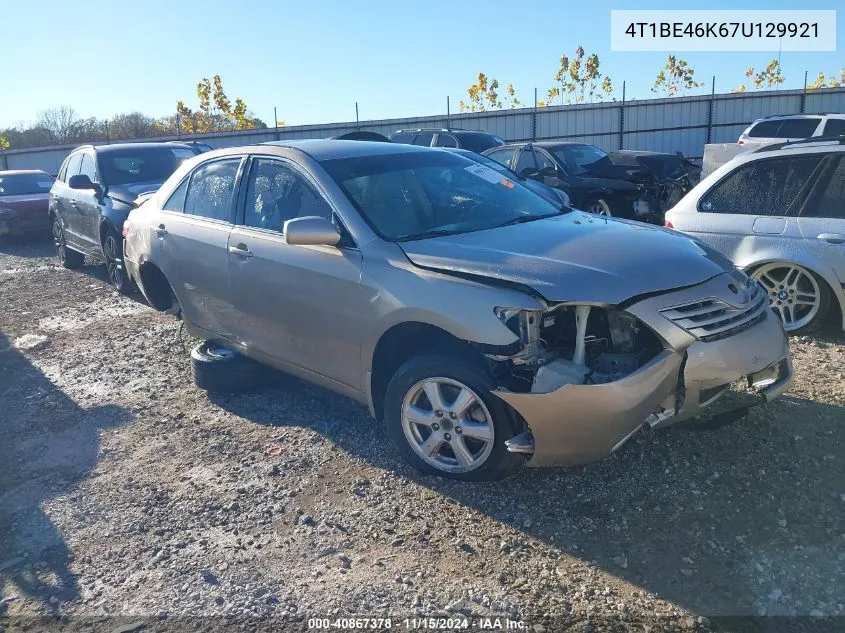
point(125, 229)
point(666, 223)
point(740, 142)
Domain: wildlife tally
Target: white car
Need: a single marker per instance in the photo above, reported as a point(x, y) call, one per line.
point(779, 214)
point(791, 127)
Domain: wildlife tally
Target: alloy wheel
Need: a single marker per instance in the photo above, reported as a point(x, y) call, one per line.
point(114, 261)
point(599, 207)
point(794, 293)
point(59, 241)
point(447, 424)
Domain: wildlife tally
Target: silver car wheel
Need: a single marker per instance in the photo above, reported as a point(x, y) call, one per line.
point(599, 207)
point(794, 293)
point(447, 425)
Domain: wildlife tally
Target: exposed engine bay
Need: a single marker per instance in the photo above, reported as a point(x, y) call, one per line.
point(572, 345)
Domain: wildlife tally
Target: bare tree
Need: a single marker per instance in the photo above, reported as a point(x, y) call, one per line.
point(61, 122)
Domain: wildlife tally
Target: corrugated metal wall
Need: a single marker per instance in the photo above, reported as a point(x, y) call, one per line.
point(675, 124)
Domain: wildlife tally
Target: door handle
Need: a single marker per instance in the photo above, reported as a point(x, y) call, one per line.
point(160, 230)
point(241, 250)
point(831, 238)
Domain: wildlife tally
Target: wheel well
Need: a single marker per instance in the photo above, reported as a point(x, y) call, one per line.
point(400, 343)
point(156, 287)
point(105, 226)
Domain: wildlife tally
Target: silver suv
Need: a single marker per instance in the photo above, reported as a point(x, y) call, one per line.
point(779, 214)
point(791, 127)
point(483, 322)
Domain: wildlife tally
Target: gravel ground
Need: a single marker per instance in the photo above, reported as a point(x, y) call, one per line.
point(130, 499)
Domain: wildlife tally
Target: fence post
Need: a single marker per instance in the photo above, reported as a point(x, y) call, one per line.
point(448, 114)
point(357, 124)
point(622, 120)
point(276, 122)
point(710, 112)
point(3, 163)
point(108, 135)
point(534, 118)
point(804, 94)
point(178, 126)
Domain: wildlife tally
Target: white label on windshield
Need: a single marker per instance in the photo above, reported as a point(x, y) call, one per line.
point(486, 173)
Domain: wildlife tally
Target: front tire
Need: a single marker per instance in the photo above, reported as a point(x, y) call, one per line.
point(444, 421)
point(115, 269)
point(799, 297)
point(67, 257)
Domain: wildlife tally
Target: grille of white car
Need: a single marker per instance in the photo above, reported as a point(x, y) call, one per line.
point(712, 319)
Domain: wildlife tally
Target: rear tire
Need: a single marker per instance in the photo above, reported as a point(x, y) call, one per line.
point(218, 369)
point(444, 421)
point(598, 206)
point(798, 296)
point(67, 257)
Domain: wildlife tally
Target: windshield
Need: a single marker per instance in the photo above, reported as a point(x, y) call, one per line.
point(23, 184)
point(420, 194)
point(577, 159)
point(141, 164)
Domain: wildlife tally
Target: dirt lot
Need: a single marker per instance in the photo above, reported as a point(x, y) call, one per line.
point(125, 492)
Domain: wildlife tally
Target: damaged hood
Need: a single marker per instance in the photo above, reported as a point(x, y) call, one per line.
point(129, 193)
point(575, 257)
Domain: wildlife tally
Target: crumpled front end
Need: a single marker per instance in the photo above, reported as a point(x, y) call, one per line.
point(587, 378)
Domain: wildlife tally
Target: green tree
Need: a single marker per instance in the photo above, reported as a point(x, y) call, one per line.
point(483, 95)
point(4, 142)
point(831, 82)
point(580, 79)
point(216, 112)
point(675, 77)
point(770, 77)
point(132, 125)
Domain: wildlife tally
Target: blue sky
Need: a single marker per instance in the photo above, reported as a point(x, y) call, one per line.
point(314, 59)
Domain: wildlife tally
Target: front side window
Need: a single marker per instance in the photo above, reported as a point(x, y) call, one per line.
point(764, 187)
point(141, 164)
point(544, 161)
point(73, 165)
point(24, 184)
point(424, 139)
point(831, 202)
point(526, 163)
point(211, 190)
point(580, 159)
point(87, 167)
point(446, 140)
point(424, 194)
point(479, 142)
point(277, 193)
point(503, 156)
point(798, 128)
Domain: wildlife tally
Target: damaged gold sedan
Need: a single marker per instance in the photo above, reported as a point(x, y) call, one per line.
point(487, 326)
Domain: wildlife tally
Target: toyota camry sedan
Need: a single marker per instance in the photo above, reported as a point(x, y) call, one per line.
point(486, 325)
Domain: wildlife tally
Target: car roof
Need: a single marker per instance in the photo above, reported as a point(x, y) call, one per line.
point(22, 172)
point(327, 149)
point(546, 144)
point(451, 130)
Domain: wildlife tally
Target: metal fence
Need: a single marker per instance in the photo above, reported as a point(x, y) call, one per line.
point(676, 124)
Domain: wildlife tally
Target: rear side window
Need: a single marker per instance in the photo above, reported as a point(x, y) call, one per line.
point(503, 156)
point(424, 139)
point(834, 127)
point(176, 201)
point(764, 187)
point(785, 128)
point(63, 170)
point(830, 203)
point(479, 142)
point(211, 190)
point(73, 165)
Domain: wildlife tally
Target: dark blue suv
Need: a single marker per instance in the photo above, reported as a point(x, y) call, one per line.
point(96, 188)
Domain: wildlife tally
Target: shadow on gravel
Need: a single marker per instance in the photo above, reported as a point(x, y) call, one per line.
point(49, 444)
point(29, 246)
point(722, 522)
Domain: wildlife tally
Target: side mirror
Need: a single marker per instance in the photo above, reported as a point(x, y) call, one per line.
point(82, 181)
point(311, 231)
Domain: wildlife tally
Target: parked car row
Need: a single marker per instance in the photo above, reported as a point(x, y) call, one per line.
point(487, 323)
point(24, 196)
point(460, 295)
